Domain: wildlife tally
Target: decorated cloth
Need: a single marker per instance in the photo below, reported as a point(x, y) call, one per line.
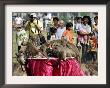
point(70, 67)
point(40, 67)
point(53, 67)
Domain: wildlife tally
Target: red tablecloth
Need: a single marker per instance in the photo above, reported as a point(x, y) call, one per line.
point(53, 67)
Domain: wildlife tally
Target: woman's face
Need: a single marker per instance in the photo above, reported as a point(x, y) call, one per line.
point(86, 20)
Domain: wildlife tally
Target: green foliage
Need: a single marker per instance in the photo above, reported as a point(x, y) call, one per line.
point(84, 13)
point(64, 17)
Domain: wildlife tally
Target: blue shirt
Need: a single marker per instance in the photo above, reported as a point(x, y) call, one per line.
point(59, 32)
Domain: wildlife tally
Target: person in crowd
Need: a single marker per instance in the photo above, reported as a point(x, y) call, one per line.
point(86, 26)
point(46, 19)
point(85, 34)
point(82, 31)
point(95, 27)
point(75, 22)
point(48, 30)
point(60, 29)
point(21, 36)
point(54, 28)
point(78, 29)
point(68, 33)
point(32, 26)
point(18, 21)
point(93, 48)
point(55, 22)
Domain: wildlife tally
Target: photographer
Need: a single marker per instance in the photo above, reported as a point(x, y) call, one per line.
point(32, 26)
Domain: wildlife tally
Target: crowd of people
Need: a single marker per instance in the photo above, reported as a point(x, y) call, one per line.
point(87, 37)
point(86, 32)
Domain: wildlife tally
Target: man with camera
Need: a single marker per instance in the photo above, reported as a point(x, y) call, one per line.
point(32, 26)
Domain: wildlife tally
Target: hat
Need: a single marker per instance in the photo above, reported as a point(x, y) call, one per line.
point(33, 14)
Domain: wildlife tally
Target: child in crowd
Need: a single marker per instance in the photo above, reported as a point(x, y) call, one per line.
point(68, 33)
point(81, 32)
point(93, 47)
point(79, 28)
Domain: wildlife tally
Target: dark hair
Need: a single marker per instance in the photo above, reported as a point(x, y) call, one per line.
point(52, 30)
point(96, 17)
point(82, 19)
point(75, 18)
point(89, 19)
point(69, 24)
point(55, 18)
point(78, 18)
point(45, 14)
point(91, 34)
point(31, 16)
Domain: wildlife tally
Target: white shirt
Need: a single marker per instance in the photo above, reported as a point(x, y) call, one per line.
point(59, 32)
point(86, 27)
point(79, 26)
point(49, 15)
